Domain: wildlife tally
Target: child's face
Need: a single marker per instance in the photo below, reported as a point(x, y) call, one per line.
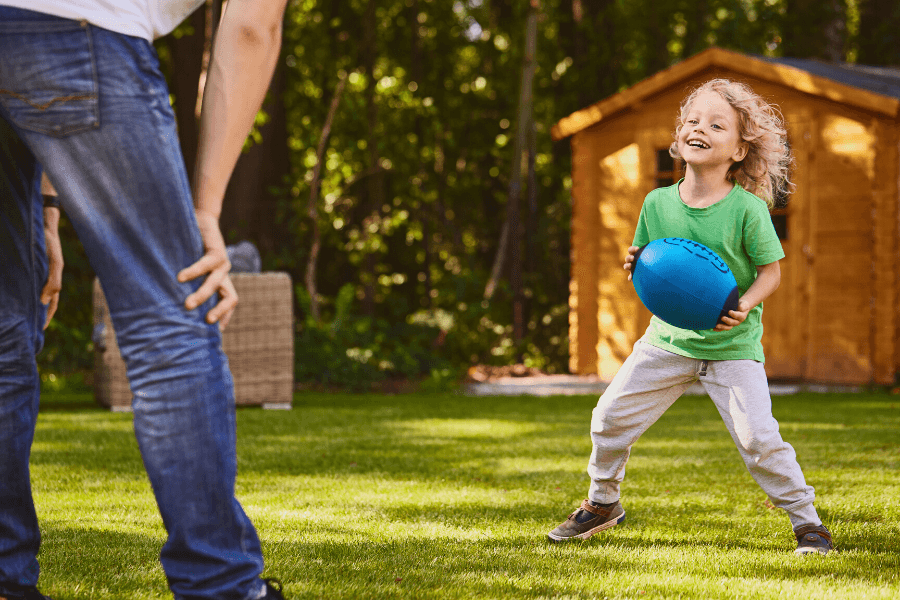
point(711, 133)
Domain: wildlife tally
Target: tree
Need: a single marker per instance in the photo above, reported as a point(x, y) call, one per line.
point(879, 32)
point(510, 238)
point(421, 171)
point(312, 209)
point(815, 29)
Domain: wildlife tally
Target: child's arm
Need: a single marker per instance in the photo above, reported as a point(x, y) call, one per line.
point(768, 277)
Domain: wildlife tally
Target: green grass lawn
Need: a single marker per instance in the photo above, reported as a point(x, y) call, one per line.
point(444, 496)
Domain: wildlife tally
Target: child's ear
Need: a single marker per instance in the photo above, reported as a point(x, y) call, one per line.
point(740, 152)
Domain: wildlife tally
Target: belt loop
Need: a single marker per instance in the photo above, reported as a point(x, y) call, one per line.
point(703, 366)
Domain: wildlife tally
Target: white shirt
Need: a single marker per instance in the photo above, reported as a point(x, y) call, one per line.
point(148, 19)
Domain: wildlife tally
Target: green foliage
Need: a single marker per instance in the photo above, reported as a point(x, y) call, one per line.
point(354, 351)
point(416, 170)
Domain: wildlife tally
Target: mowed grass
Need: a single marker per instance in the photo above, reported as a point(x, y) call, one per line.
point(445, 496)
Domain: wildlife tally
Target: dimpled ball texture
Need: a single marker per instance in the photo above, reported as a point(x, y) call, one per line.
point(684, 283)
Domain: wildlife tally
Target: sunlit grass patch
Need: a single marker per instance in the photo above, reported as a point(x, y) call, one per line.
point(442, 496)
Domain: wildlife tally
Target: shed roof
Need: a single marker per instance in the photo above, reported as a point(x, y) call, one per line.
point(881, 80)
point(874, 89)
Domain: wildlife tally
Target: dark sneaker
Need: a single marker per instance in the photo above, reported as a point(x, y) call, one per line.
point(586, 521)
point(813, 539)
point(273, 590)
point(30, 593)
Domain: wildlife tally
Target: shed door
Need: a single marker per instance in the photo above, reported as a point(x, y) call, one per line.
point(786, 312)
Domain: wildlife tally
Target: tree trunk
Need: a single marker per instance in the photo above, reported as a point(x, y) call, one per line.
point(697, 27)
point(879, 33)
point(417, 74)
point(657, 23)
point(531, 217)
point(588, 36)
point(374, 183)
point(510, 238)
point(815, 29)
point(312, 210)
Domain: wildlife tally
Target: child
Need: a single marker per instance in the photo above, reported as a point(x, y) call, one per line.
point(734, 145)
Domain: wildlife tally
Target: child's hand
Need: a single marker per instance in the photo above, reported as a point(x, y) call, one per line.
point(629, 260)
point(736, 316)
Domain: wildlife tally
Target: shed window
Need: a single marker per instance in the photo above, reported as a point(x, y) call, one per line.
point(780, 221)
point(668, 169)
point(781, 214)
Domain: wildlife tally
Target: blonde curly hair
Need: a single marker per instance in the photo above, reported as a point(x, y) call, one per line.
point(766, 169)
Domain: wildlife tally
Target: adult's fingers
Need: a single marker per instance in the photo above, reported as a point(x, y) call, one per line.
point(223, 311)
point(208, 263)
point(50, 292)
point(53, 285)
point(206, 290)
point(51, 309)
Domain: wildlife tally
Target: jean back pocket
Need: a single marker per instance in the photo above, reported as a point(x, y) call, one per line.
point(48, 76)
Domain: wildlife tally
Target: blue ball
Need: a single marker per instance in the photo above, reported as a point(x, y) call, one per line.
point(684, 283)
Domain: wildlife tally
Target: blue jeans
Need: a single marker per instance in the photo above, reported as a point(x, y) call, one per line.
point(91, 108)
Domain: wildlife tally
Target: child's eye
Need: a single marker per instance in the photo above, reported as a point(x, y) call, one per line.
point(714, 126)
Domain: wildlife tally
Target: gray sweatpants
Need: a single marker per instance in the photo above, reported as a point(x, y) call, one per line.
point(649, 383)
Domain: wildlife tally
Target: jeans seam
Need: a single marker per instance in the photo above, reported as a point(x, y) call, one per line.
point(48, 104)
point(64, 26)
point(95, 79)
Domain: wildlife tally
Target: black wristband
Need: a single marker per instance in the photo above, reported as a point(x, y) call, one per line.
point(51, 201)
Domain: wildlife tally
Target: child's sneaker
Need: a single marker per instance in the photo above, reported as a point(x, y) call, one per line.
point(813, 539)
point(586, 521)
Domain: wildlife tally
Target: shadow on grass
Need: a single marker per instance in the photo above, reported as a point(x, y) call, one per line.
point(336, 562)
point(512, 441)
point(87, 563)
point(67, 401)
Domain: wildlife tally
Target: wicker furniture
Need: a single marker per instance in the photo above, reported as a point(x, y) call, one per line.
point(259, 343)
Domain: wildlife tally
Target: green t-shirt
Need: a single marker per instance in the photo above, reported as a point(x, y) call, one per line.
point(739, 229)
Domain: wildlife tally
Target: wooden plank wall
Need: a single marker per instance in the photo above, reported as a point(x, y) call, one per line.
point(619, 208)
point(886, 254)
point(842, 316)
point(896, 288)
point(582, 283)
point(786, 313)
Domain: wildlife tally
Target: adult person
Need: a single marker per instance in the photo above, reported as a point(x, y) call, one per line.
point(82, 99)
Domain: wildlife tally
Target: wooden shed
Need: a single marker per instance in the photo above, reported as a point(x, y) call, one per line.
point(836, 316)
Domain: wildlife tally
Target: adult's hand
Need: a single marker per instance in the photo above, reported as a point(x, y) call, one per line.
point(50, 293)
point(215, 266)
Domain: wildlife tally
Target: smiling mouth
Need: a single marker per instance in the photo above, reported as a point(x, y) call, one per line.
point(698, 144)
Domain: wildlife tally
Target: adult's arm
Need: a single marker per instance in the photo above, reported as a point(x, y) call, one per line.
point(244, 57)
point(53, 285)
